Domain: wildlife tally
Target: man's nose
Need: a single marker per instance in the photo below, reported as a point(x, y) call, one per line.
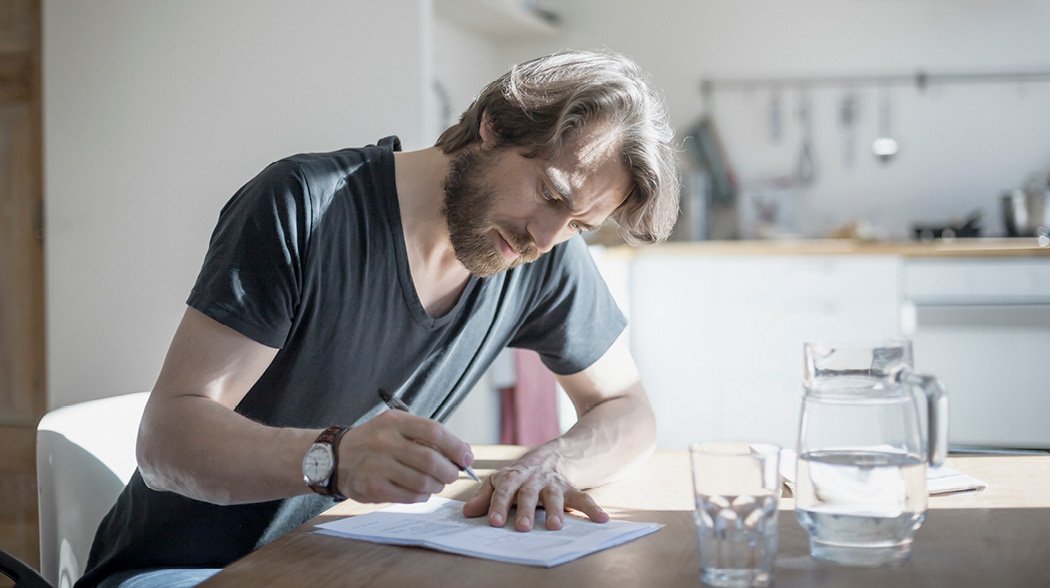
point(549, 228)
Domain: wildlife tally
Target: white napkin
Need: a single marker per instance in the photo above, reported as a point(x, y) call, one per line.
point(939, 480)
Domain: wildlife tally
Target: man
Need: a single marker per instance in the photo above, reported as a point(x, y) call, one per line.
point(332, 276)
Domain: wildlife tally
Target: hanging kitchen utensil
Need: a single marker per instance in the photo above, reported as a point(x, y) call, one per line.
point(776, 125)
point(885, 147)
point(704, 143)
point(806, 168)
point(847, 121)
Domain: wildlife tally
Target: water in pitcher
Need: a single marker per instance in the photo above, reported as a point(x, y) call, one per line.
point(860, 506)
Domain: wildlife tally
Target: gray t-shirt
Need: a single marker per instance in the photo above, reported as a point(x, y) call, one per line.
point(309, 257)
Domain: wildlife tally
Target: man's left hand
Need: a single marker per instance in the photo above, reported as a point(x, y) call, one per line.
point(529, 486)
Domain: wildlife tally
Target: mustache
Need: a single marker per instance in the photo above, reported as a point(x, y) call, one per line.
point(523, 244)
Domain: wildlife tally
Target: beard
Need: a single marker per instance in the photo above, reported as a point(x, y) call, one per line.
point(468, 206)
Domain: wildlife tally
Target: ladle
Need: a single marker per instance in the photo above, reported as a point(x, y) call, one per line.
point(884, 147)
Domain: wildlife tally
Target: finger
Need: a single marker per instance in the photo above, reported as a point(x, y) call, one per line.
point(583, 502)
point(504, 488)
point(376, 488)
point(428, 461)
point(395, 493)
point(436, 435)
point(413, 480)
point(554, 504)
point(479, 503)
point(526, 512)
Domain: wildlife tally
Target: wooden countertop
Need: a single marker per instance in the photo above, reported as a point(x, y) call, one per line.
point(984, 248)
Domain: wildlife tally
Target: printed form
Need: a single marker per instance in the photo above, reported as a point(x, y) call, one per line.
point(439, 524)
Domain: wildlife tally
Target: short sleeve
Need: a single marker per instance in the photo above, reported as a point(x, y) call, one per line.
point(574, 319)
point(252, 274)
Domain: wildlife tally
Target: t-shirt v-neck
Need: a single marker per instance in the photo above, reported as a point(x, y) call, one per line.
point(399, 247)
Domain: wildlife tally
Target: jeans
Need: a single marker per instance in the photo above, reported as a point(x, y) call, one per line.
point(166, 578)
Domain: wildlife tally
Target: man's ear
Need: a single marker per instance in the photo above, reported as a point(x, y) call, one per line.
point(487, 131)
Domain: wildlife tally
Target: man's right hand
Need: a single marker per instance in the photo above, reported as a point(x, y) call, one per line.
point(399, 457)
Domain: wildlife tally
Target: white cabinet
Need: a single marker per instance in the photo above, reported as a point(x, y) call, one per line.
point(718, 338)
point(983, 327)
point(674, 343)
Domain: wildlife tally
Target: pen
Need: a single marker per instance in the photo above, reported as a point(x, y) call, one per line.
point(395, 403)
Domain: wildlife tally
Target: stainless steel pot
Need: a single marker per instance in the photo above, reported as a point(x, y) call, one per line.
point(1026, 214)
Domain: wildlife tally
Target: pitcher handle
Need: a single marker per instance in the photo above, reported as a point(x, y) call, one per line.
point(936, 413)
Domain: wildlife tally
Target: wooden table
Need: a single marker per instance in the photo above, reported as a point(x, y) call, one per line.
point(999, 537)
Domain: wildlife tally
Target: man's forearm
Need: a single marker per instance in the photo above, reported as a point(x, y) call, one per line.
point(201, 449)
point(605, 441)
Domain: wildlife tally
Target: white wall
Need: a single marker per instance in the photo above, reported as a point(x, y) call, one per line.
point(961, 145)
point(155, 113)
point(464, 62)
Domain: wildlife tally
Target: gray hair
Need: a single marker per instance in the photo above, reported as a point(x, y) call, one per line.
point(542, 104)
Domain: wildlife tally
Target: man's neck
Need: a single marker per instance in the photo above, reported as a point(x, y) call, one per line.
point(437, 275)
point(420, 177)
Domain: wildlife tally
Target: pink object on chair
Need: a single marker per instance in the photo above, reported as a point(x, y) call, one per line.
point(529, 408)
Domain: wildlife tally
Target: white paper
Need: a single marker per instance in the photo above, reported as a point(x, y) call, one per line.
point(945, 480)
point(939, 480)
point(439, 524)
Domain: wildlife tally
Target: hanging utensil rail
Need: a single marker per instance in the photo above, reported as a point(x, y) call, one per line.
point(920, 79)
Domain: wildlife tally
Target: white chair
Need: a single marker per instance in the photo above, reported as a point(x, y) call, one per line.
point(85, 455)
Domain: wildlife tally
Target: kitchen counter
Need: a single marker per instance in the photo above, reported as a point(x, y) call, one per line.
point(717, 327)
point(991, 247)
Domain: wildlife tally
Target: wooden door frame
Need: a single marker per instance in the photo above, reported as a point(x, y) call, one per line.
point(23, 390)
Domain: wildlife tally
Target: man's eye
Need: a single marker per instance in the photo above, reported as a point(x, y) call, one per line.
point(549, 196)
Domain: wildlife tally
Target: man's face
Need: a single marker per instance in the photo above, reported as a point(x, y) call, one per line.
point(504, 209)
point(469, 199)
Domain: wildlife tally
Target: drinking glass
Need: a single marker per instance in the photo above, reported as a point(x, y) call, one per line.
point(736, 487)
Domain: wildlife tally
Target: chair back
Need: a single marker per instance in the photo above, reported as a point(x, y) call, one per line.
point(85, 455)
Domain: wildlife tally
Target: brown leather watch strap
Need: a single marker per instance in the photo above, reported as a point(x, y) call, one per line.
point(329, 435)
point(332, 436)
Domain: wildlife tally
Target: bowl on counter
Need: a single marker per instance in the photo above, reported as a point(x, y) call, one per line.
point(1026, 213)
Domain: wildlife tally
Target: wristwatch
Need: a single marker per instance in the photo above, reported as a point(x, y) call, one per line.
point(321, 462)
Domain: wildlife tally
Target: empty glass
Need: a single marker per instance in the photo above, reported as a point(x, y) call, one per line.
point(737, 491)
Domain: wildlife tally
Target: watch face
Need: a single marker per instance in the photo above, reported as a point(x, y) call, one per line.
point(317, 464)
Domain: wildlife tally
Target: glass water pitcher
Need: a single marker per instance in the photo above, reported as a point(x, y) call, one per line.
point(862, 454)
